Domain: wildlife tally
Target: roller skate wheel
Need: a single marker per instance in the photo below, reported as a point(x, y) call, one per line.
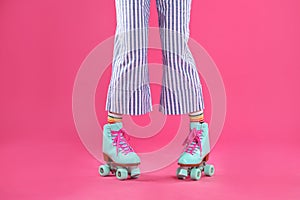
point(209, 170)
point(177, 171)
point(104, 170)
point(195, 174)
point(121, 174)
point(181, 173)
point(135, 173)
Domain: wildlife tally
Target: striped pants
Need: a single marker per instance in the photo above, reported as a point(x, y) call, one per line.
point(129, 89)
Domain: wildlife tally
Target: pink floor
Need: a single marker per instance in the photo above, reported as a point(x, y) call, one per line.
point(255, 45)
point(56, 170)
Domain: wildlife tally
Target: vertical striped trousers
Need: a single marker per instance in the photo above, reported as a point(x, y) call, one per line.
point(129, 89)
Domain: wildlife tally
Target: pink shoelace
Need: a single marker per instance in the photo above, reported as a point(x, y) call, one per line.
point(120, 141)
point(193, 141)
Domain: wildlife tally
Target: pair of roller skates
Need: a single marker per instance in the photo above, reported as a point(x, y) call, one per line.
point(122, 161)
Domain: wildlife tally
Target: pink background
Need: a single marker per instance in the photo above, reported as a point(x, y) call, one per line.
point(255, 45)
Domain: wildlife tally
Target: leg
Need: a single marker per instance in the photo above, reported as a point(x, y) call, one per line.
point(181, 91)
point(197, 116)
point(129, 91)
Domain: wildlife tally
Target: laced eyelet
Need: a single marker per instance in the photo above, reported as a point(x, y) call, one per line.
point(193, 141)
point(120, 141)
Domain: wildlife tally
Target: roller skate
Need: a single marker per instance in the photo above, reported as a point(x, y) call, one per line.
point(193, 160)
point(119, 156)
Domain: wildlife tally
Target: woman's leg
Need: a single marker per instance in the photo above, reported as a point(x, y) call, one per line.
point(129, 90)
point(181, 91)
point(197, 116)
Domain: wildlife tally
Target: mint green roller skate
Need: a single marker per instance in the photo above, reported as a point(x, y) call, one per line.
point(119, 156)
point(193, 160)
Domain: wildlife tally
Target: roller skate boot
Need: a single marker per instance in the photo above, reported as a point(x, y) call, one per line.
point(119, 156)
point(193, 160)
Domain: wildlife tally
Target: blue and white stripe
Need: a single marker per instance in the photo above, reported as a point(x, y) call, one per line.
point(129, 89)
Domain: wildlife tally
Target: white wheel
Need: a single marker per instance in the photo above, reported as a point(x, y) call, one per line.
point(104, 170)
point(195, 174)
point(177, 171)
point(135, 173)
point(182, 173)
point(122, 174)
point(209, 170)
